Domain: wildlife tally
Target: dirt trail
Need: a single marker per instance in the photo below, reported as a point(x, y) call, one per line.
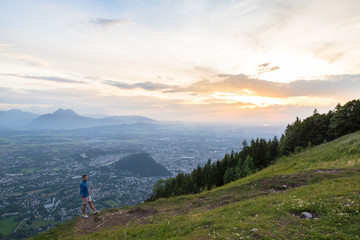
point(206, 201)
point(113, 218)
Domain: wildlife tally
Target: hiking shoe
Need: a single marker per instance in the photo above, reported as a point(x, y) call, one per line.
point(85, 216)
point(96, 212)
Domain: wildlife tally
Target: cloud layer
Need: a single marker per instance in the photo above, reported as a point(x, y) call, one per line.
point(107, 22)
point(151, 86)
point(243, 84)
point(45, 78)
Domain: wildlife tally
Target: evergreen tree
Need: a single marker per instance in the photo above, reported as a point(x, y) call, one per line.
point(208, 175)
point(248, 166)
point(229, 175)
point(346, 119)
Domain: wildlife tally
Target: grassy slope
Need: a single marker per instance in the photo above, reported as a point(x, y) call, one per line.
point(270, 200)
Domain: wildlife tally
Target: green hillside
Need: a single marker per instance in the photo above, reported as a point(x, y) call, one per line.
point(142, 164)
point(323, 180)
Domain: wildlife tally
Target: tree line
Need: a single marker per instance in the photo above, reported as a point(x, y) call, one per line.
point(320, 128)
point(260, 153)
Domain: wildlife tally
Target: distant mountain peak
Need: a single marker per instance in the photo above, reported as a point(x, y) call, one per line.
point(68, 119)
point(68, 112)
point(14, 110)
point(18, 111)
point(15, 118)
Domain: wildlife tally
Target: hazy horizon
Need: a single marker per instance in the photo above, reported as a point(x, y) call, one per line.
point(245, 62)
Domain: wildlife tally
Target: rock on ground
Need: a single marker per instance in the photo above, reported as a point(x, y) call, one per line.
point(306, 215)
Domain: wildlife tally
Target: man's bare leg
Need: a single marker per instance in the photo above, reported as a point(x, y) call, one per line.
point(83, 209)
point(92, 206)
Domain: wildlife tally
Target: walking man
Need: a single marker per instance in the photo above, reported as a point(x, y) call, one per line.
point(86, 196)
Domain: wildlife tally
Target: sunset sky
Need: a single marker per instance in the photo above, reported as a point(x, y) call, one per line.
point(250, 61)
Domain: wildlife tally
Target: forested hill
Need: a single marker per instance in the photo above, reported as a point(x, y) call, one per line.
point(142, 164)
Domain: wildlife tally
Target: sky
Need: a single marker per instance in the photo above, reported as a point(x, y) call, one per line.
point(248, 61)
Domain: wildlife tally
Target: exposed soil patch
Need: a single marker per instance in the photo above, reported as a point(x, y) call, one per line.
point(330, 171)
point(221, 202)
point(283, 182)
point(113, 218)
point(269, 185)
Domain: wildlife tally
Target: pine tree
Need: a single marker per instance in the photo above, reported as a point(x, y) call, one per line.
point(248, 166)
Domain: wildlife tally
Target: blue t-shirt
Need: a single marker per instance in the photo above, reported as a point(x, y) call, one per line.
point(84, 189)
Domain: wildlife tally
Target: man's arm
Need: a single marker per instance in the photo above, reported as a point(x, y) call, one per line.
point(82, 191)
point(89, 192)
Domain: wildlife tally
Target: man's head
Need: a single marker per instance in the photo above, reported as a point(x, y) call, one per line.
point(84, 177)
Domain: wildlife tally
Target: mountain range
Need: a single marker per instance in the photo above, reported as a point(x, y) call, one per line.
point(15, 118)
point(61, 119)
